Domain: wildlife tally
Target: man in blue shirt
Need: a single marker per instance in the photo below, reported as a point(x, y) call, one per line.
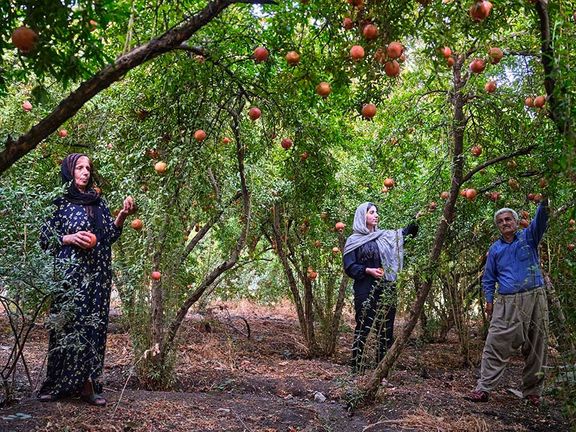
point(519, 314)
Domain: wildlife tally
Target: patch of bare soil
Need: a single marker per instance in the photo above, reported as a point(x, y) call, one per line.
point(228, 382)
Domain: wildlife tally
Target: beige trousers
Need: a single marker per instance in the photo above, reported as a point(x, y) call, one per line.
point(519, 321)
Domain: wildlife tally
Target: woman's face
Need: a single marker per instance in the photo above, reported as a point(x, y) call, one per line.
point(82, 172)
point(371, 218)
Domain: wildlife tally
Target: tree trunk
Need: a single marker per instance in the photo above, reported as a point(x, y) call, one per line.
point(309, 316)
point(559, 106)
point(424, 331)
point(213, 276)
point(337, 317)
point(292, 282)
point(458, 101)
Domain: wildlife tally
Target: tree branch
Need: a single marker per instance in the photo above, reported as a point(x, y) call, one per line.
point(68, 107)
point(520, 152)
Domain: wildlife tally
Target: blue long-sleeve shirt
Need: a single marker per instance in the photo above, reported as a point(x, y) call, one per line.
point(515, 266)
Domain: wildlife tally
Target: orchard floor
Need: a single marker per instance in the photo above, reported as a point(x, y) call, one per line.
point(227, 382)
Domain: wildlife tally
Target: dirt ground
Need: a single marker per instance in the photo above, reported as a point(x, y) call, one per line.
point(227, 382)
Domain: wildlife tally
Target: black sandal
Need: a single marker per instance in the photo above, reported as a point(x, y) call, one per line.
point(47, 397)
point(94, 399)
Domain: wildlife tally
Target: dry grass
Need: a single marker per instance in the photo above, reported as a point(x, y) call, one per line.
point(422, 420)
point(228, 382)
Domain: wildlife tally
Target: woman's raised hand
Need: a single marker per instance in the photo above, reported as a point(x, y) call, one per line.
point(129, 206)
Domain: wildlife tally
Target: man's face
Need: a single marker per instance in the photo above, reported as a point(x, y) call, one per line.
point(506, 223)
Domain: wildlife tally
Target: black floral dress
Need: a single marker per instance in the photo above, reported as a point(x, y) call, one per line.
point(78, 317)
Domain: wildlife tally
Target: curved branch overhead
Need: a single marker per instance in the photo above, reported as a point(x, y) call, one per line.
point(15, 149)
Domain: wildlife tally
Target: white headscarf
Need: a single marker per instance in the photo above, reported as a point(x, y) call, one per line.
point(390, 242)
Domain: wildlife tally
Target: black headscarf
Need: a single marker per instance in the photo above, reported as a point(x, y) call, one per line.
point(89, 199)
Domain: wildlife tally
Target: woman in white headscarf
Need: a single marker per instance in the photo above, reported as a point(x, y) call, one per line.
point(373, 258)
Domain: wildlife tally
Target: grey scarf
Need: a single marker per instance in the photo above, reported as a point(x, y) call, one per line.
point(390, 242)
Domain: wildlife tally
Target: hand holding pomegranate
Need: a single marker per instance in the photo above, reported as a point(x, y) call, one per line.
point(82, 239)
point(377, 273)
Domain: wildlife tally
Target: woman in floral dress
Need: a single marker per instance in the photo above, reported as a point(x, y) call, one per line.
point(80, 234)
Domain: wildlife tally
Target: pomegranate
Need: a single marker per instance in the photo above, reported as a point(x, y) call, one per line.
point(539, 101)
point(513, 183)
point(260, 54)
point(490, 86)
point(160, 167)
point(199, 135)
point(496, 54)
point(323, 89)
point(137, 224)
point(24, 39)
point(357, 52)
point(477, 65)
point(293, 58)
point(369, 110)
point(394, 50)
point(93, 241)
point(370, 32)
point(347, 23)
point(494, 196)
point(92, 25)
point(471, 194)
point(392, 68)
point(480, 10)
point(254, 113)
